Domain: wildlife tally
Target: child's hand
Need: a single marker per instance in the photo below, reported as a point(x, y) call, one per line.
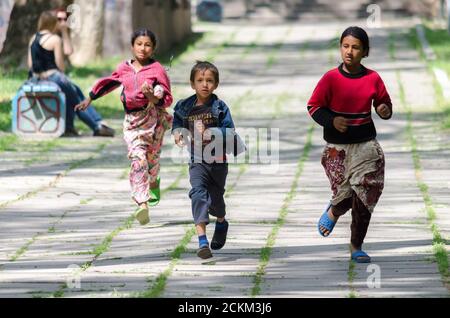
point(179, 140)
point(341, 124)
point(159, 91)
point(148, 91)
point(384, 111)
point(83, 105)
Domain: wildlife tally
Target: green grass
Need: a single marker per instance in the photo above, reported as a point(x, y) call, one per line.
point(352, 295)
point(439, 40)
point(60, 292)
point(106, 243)
point(7, 142)
point(10, 82)
point(24, 248)
point(351, 272)
point(5, 115)
point(86, 201)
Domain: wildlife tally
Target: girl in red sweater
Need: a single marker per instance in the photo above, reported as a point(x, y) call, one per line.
point(145, 96)
point(353, 159)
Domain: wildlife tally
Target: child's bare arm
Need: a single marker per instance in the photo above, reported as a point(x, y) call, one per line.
point(83, 105)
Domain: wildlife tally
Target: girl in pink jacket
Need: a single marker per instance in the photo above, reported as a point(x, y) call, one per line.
point(145, 96)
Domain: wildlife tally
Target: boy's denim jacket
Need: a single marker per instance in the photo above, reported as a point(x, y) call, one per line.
point(220, 112)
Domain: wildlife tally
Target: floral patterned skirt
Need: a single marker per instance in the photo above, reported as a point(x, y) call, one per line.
point(355, 168)
point(144, 133)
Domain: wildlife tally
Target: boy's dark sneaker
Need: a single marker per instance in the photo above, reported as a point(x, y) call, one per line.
point(220, 236)
point(204, 252)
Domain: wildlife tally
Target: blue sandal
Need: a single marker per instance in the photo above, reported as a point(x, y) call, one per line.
point(326, 222)
point(360, 257)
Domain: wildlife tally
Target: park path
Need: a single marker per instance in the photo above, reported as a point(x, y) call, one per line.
point(65, 216)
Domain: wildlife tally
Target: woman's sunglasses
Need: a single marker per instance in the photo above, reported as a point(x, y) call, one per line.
point(62, 19)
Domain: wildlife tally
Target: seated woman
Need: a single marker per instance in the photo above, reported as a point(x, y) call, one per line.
point(46, 60)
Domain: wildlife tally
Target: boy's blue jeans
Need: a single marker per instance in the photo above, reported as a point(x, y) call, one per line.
point(74, 96)
point(208, 187)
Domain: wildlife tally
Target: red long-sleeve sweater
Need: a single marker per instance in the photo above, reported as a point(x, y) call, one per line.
point(352, 96)
point(132, 97)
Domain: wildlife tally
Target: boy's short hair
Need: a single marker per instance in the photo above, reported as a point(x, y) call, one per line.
point(205, 66)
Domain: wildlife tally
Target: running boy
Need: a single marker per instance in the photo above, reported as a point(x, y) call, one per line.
point(353, 159)
point(203, 122)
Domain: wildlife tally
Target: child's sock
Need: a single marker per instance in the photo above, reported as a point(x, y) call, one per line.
point(203, 241)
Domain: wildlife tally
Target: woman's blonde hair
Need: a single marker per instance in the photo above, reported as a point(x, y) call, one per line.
point(47, 21)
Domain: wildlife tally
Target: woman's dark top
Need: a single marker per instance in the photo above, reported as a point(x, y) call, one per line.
point(43, 60)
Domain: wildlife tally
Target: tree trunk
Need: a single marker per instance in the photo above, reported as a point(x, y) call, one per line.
point(169, 20)
point(119, 26)
point(6, 7)
point(22, 25)
point(87, 25)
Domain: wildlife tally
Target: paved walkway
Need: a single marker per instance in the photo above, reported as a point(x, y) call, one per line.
point(65, 216)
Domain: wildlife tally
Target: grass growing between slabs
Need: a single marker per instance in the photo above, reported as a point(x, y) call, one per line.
point(439, 40)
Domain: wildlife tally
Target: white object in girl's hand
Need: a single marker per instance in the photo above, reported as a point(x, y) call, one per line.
point(158, 91)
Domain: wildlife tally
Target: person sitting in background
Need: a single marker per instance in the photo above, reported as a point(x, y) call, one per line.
point(46, 61)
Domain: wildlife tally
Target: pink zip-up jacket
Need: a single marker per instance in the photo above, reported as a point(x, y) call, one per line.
point(132, 97)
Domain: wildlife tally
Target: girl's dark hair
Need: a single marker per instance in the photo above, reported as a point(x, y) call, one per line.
point(360, 34)
point(144, 32)
point(203, 66)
